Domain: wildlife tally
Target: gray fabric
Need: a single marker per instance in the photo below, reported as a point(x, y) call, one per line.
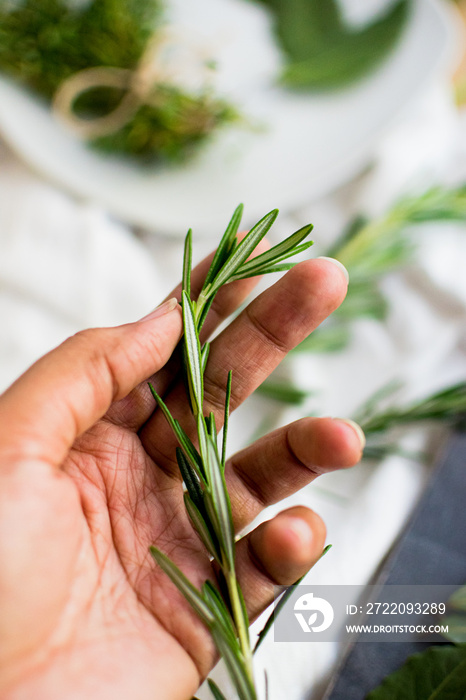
point(432, 550)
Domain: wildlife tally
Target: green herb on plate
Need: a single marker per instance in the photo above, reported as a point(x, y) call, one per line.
point(45, 43)
point(322, 51)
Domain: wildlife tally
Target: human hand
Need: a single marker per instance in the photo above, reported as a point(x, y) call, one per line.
point(88, 481)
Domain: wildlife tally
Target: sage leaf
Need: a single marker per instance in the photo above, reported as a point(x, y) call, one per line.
point(184, 585)
point(322, 51)
point(439, 673)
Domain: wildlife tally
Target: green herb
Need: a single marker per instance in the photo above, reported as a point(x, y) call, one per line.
point(221, 608)
point(285, 393)
point(455, 620)
point(438, 673)
point(322, 51)
point(446, 405)
point(281, 604)
point(44, 42)
point(371, 249)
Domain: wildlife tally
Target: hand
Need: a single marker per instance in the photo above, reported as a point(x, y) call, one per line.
point(88, 481)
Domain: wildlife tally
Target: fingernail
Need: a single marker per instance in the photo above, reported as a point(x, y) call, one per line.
point(357, 429)
point(161, 310)
point(337, 263)
point(301, 531)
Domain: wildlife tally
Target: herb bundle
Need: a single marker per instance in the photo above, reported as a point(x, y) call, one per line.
point(45, 42)
point(221, 607)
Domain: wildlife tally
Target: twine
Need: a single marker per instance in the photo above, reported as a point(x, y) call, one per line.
point(138, 86)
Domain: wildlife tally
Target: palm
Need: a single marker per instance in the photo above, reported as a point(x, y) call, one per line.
point(128, 503)
point(88, 614)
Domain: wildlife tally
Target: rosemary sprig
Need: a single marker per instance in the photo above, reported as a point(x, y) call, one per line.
point(222, 608)
point(371, 249)
point(446, 406)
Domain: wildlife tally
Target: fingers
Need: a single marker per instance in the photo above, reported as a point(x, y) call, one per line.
point(253, 345)
point(66, 391)
point(286, 460)
point(136, 408)
point(277, 553)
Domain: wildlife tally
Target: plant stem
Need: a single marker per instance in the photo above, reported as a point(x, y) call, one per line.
point(243, 632)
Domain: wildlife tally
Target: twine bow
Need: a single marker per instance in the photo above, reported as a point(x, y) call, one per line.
point(138, 86)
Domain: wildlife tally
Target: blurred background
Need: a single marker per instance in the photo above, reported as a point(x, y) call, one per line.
point(125, 122)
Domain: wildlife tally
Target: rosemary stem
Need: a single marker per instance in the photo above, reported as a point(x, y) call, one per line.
point(243, 632)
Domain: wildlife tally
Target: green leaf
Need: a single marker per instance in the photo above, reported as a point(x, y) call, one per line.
point(458, 599)
point(328, 337)
point(212, 428)
point(202, 436)
point(220, 501)
point(193, 354)
point(185, 442)
point(456, 628)
point(225, 246)
point(289, 247)
point(235, 665)
point(243, 250)
point(286, 393)
point(448, 405)
point(208, 538)
point(215, 690)
point(226, 418)
point(436, 674)
point(205, 356)
point(265, 270)
point(204, 311)
point(322, 51)
point(220, 610)
point(184, 585)
point(243, 606)
point(276, 609)
point(190, 478)
point(187, 263)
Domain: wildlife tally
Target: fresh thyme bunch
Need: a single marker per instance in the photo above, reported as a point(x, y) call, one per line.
point(221, 607)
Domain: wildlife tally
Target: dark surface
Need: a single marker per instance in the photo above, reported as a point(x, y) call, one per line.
point(431, 551)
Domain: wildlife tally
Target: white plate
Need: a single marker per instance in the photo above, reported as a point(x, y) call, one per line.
point(310, 144)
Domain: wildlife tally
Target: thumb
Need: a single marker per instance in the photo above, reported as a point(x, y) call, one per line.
point(70, 388)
